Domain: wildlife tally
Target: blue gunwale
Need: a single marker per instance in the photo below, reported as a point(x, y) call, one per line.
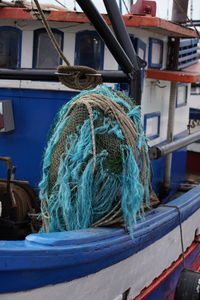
point(52, 258)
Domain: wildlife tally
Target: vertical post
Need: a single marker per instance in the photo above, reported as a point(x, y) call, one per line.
point(179, 11)
point(170, 134)
point(179, 14)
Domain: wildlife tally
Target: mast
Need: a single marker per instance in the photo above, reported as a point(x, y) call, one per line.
point(179, 15)
point(179, 11)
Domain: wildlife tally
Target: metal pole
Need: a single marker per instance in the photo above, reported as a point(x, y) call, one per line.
point(50, 75)
point(177, 5)
point(170, 131)
point(157, 152)
point(107, 35)
point(120, 31)
point(125, 41)
point(179, 11)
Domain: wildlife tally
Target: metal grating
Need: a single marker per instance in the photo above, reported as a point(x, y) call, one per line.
point(186, 56)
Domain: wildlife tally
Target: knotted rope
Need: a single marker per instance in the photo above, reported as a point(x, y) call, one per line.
point(74, 77)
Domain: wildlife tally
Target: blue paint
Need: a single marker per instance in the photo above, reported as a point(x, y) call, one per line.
point(184, 103)
point(194, 113)
point(58, 257)
point(14, 49)
point(86, 53)
point(34, 112)
point(120, 5)
point(150, 62)
point(139, 44)
point(157, 131)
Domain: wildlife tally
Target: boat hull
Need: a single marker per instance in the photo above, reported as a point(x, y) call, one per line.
point(99, 263)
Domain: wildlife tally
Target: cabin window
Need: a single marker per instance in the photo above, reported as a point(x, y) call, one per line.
point(45, 55)
point(152, 125)
point(89, 50)
point(155, 53)
point(181, 94)
point(140, 48)
point(10, 47)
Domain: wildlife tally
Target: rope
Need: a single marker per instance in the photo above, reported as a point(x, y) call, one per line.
point(96, 170)
point(79, 77)
point(181, 230)
point(114, 111)
point(75, 77)
point(128, 128)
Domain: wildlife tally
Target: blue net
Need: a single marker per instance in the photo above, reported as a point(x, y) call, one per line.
point(95, 171)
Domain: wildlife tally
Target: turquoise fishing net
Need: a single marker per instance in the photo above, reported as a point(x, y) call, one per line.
point(73, 194)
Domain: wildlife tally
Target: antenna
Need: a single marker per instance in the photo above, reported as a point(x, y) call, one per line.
point(191, 9)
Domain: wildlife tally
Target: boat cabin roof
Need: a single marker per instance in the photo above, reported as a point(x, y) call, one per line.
point(146, 22)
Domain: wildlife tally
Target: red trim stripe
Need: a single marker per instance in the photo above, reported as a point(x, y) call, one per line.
point(154, 24)
point(157, 281)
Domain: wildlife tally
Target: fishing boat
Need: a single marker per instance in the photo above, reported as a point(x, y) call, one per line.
point(99, 263)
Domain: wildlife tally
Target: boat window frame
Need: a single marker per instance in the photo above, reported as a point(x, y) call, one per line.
point(140, 44)
point(19, 31)
point(153, 41)
point(150, 116)
point(36, 33)
point(184, 103)
point(78, 37)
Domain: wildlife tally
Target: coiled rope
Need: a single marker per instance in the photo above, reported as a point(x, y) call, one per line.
point(75, 77)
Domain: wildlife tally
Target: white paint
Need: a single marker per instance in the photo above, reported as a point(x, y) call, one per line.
point(27, 49)
point(152, 126)
point(69, 46)
point(1, 108)
point(135, 272)
point(194, 100)
point(181, 97)
point(154, 98)
point(156, 53)
point(195, 147)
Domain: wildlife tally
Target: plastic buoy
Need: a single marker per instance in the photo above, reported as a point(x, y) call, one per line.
point(188, 286)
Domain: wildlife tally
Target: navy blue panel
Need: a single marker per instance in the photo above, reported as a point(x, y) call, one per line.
point(10, 47)
point(34, 112)
point(139, 44)
point(188, 54)
point(194, 114)
point(89, 50)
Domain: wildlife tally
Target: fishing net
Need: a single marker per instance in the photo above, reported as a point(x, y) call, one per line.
point(96, 169)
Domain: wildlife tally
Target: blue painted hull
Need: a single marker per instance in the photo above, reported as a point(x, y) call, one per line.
point(44, 259)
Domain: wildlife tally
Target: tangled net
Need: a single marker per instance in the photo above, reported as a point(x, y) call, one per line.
point(96, 169)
